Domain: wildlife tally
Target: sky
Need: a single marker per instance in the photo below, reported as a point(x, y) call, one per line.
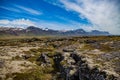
point(103, 15)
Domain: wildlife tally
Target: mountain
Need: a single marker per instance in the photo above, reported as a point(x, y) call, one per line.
point(76, 32)
point(96, 32)
point(11, 31)
point(31, 30)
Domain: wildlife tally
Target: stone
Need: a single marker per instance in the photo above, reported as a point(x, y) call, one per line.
point(26, 56)
point(2, 63)
point(44, 58)
point(68, 50)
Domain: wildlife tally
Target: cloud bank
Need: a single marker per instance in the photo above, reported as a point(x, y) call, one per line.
point(103, 14)
point(23, 23)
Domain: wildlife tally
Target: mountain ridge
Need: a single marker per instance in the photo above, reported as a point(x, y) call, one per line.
point(31, 30)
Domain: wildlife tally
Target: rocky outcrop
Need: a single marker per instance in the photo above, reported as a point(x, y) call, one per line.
point(57, 59)
point(79, 70)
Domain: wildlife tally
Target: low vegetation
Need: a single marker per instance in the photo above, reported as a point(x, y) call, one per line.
point(35, 58)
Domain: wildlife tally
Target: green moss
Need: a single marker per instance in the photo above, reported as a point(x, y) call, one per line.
point(105, 48)
point(26, 52)
point(45, 49)
point(101, 63)
point(34, 50)
point(33, 58)
point(34, 74)
point(87, 47)
point(16, 58)
point(64, 62)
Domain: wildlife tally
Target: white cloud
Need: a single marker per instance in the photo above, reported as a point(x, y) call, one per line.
point(4, 21)
point(29, 10)
point(62, 26)
point(18, 8)
point(103, 14)
point(17, 23)
point(54, 25)
point(23, 23)
point(10, 9)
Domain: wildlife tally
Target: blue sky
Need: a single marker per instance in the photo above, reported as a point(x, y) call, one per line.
point(62, 14)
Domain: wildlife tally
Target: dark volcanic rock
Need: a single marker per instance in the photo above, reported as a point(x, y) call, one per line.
point(26, 56)
point(90, 41)
point(68, 50)
point(83, 72)
point(2, 63)
point(44, 58)
point(57, 59)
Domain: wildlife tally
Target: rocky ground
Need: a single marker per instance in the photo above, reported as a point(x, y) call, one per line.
point(61, 58)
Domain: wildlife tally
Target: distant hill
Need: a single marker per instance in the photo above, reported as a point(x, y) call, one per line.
point(31, 31)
